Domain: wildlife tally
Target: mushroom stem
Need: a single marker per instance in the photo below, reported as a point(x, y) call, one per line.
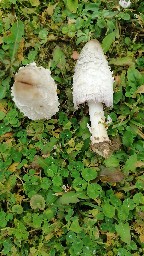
point(97, 118)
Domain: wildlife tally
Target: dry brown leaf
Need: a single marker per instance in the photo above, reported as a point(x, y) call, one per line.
point(13, 167)
point(75, 55)
point(71, 21)
point(50, 9)
point(110, 238)
point(141, 238)
point(7, 135)
point(139, 164)
point(1, 39)
point(49, 236)
point(3, 107)
point(120, 195)
point(117, 79)
point(21, 50)
point(140, 89)
point(111, 175)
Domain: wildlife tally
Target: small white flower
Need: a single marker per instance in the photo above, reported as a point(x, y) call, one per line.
point(124, 3)
point(109, 120)
point(64, 187)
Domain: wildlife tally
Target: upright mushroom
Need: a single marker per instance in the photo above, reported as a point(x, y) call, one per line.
point(35, 92)
point(93, 83)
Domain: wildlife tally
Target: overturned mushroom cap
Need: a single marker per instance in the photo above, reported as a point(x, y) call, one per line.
point(92, 79)
point(35, 92)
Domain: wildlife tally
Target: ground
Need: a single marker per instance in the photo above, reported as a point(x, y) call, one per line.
point(57, 196)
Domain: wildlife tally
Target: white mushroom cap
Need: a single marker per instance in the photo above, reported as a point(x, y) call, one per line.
point(92, 79)
point(35, 92)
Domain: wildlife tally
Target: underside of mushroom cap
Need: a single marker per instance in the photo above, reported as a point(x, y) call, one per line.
point(34, 92)
point(92, 79)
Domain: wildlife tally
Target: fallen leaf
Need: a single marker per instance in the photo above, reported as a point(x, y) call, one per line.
point(50, 9)
point(141, 238)
point(140, 89)
point(75, 55)
point(71, 21)
point(3, 107)
point(111, 175)
point(139, 164)
point(7, 135)
point(120, 195)
point(49, 236)
point(110, 238)
point(13, 167)
point(35, 2)
point(20, 50)
point(124, 61)
point(117, 79)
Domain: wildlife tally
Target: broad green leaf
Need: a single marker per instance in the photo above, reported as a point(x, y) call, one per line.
point(75, 227)
point(72, 5)
point(128, 138)
point(13, 1)
point(124, 252)
point(140, 182)
point(138, 198)
point(134, 77)
point(7, 247)
point(118, 95)
point(45, 183)
point(94, 190)
point(69, 198)
point(43, 34)
point(3, 221)
point(101, 23)
point(108, 210)
point(112, 161)
point(49, 146)
point(37, 220)
point(37, 202)
point(123, 213)
point(49, 213)
point(4, 87)
point(124, 61)
point(92, 6)
point(57, 181)
point(17, 32)
point(59, 58)
point(131, 163)
point(20, 231)
point(129, 203)
point(124, 16)
point(79, 184)
point(123, 231)
point(108, 40)
point(89, 174)
point(17, 209)
point(2, 115)
point(35, 2)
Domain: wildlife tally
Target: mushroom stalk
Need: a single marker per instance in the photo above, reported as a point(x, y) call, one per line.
point(97, 118)
point(100, 142)
point(93, 83)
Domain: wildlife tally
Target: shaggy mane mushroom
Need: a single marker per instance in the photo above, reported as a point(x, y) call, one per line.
point(93, 83)
point(35, 93)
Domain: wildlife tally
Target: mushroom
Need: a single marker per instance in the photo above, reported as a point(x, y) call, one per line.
point(93, 83)
point(35, 93)
point(124, 3)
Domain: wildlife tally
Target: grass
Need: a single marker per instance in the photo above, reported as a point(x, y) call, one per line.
point(57, 197)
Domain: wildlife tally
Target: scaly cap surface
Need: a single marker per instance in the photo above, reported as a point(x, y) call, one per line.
point(34, 92)
point(92, 79)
